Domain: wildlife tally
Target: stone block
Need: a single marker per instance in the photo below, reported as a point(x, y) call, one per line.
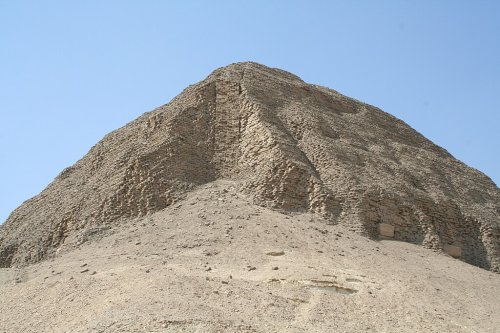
point(453, 250)
point(386, 230)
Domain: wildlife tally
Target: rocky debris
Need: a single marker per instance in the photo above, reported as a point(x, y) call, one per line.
point(292, 146)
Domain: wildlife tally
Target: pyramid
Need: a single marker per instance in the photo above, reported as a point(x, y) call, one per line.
point(291, 146)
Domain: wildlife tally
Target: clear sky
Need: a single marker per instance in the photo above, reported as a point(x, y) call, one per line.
point(72, 71)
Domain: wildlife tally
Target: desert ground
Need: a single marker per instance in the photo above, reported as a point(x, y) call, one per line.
point(215, 262)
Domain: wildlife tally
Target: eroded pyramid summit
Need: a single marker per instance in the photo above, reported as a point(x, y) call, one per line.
point(293, 146)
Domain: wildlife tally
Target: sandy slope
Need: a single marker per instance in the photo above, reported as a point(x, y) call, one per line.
point(217, 263)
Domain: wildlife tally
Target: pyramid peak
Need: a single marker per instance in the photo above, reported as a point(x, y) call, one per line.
point(256, 69)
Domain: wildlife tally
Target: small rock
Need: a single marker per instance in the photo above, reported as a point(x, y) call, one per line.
point(275, 253)
point(275, 268)
point(323, 231)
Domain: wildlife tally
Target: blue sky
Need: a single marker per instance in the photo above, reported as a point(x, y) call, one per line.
point(72, 71)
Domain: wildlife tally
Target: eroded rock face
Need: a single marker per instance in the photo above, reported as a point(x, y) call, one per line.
point(293, 146)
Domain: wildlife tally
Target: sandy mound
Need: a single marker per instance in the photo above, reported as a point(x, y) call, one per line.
point(217, 263)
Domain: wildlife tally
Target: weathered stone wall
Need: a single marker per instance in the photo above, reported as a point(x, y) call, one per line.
point(439, 225)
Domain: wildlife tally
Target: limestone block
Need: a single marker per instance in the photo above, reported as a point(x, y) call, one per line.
point(386, 230)
point(453, 250)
